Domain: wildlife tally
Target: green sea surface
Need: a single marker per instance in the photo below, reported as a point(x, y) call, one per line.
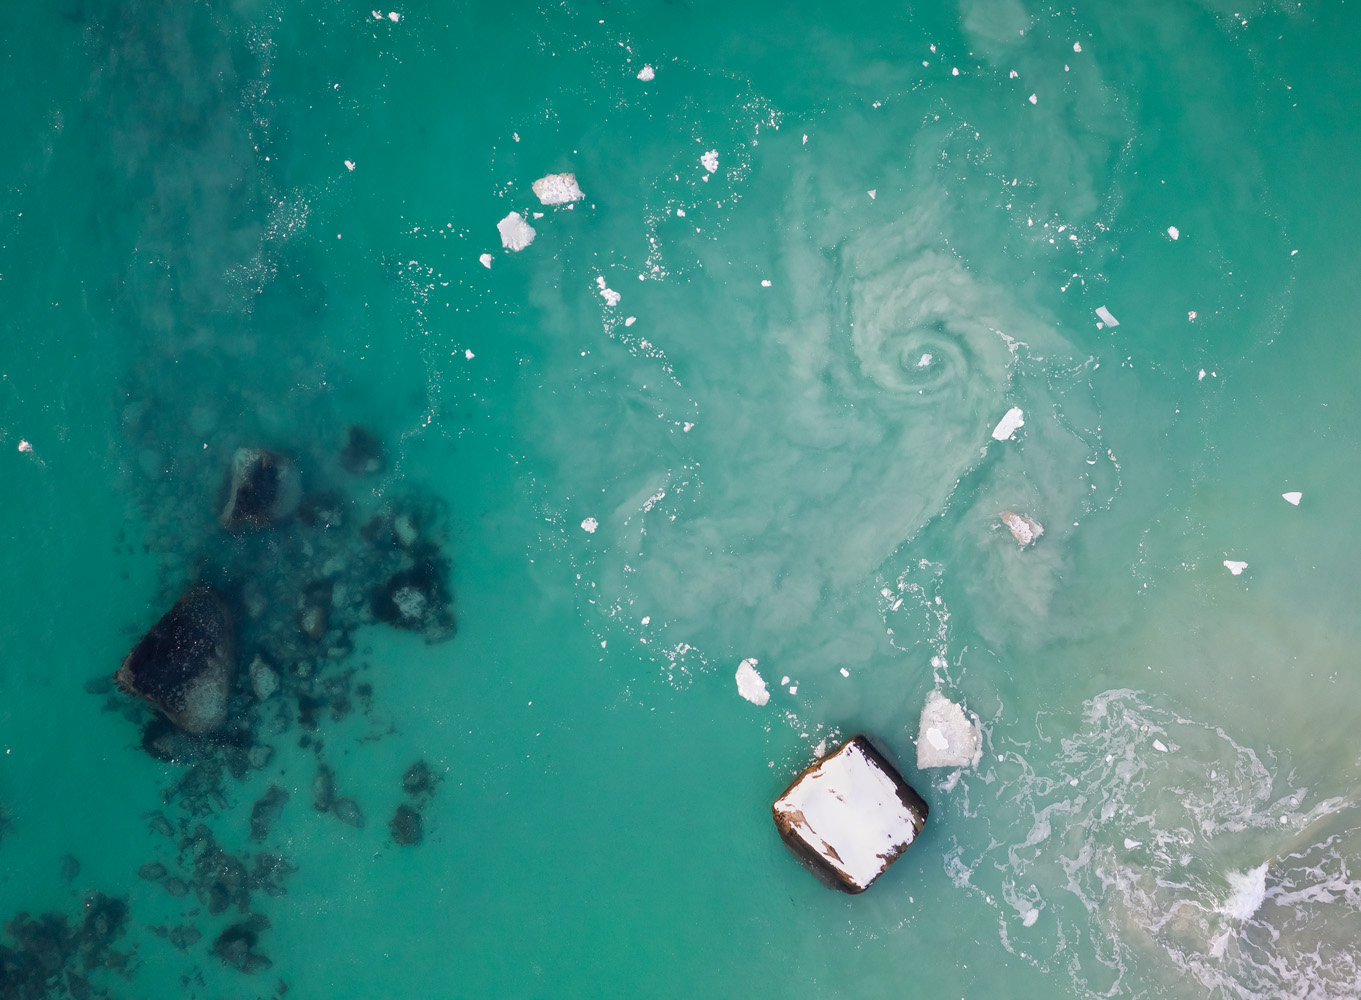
point(737, 403)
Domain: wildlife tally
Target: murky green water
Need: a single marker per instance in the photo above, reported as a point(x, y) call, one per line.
point(706, 415)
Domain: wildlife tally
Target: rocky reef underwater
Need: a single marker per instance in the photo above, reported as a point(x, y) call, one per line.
point(266, 587)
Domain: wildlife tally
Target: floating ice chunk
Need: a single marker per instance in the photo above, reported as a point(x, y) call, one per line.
point(1201, 376)
point(1024, 529)
point(1105, 316)
point(610, 296)
point(1132, 844)
point(349, 164)
point(485, 260)
point(1077, 46)
point(849, 816)
point(1293, 497)
point(467, 353)
point(629, 321)
point(589, 525)
point(1234, 566)
point(516, 233)
point(946, 737)
point(558, 189)
point(873, 194)
point(1014, 74)
point(765, 282)
point(647, 73)
point(710, 160)
point(25, 446)
point(1159, 746)
point(784, 680)
point(1034, 99)
point(925, 361)
point(1031, 915)
point(1009, 424)
point(1247, 890)
point(1191, 315)
point(845, 672)
point(1174, 232)
point(749, 683)
point(393, 16)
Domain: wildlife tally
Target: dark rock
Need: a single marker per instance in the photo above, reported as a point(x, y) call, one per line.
point(323, 789)
point(236, 945)
point(98, 685)
point(348, 812)
point(159, 824)
point(152, 871)
point(105, 920)
point(266, 811)
point(417, 598)
point(407, 827)
point(185, 936)
point(177, 887)
point(364, 455)
point(420, 780)
point(184, 665)
point(263, 488)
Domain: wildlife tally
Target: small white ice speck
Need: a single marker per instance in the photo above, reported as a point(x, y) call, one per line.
point(765, 282)
point(1132, 844)
point(393, 16)
point(1174, 232)
point(647, 619)
point(589, 525)
point(873, 194)
point(24, 446)
point(1014, 74)
point(1235, 566)
point(1294, 497)
point(1201, 375)
point(1077, 46)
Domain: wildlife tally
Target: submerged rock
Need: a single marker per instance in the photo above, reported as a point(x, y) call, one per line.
point(1024, 529)
point(264, 488)
point(184, 665)
point(947, 738)
point(236, 945)
point(264, 681)
point(417, 598)
point(849, 816)
point(420, 780)
point(348, 812)
point(266, 812)
point(364, 455)
point(408, 829)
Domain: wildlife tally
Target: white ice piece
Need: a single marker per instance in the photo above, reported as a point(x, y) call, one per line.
point(349, 164)
point(947, 738)
point(516, 233)
point(393, 16)
point(1034, 99)
point(765, 282)
point(589, 525)
point(1160, 746)
point(1174, 232)
point(847, 810)
point(749, 683)
point(485, 259)
point(1234, 566)
point(610, 296)
point(558, 189)
point(1024, 529)
point(873, 194)
point(1077, 46)
point(1293, 497)
point(1009, 424)
point(710, 160)
point(25, 446)
point(925, 361)
point(630, 320)
point(1104, 314)
point(647, 73)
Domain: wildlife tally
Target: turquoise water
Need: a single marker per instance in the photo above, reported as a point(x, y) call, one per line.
point(258, 224)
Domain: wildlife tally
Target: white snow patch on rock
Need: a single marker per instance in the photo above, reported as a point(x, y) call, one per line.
point(749, 683)
point(947, 738)
point(1234, 566)
point(647, 73)
point(558, 189)
point(589, 525)
point(1293, 497)
point(1024, 529)
point(516, 233)
point(1009, 424)
point(710, 160)
point(1105, 316)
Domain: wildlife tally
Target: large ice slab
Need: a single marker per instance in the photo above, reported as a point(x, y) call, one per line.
point(1011, 422)
point(947, 738)
point(516, 233)
point(849, 816)
point(558, 189)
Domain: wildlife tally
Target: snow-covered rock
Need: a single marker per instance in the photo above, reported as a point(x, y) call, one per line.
point(947, 737)
point(1024, 529)
point(516, 233)
point(849, 816)
point(558, 189)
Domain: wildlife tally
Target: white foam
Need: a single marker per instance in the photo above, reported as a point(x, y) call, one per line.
point(1105, 316)
point(516, 233)
point(558, 189)
point(1247, 890)
point(589, 525)
point(1234, 566)
point(1009, 424)
point(749, 683)
point(710, 160)
point(1293, 497)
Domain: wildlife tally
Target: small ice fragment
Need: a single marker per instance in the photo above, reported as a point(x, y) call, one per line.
point(24, 446)
point(947, 738)
point(1105, 316)
point(647, 619)
point(784, 680)
point(1031, 915)
point(749, 683)
point(630, 320)
point(1293, 497)
point(1008, 425)
point(954, 71)
point(765, 282)
point(1034, 99)
point(680, 212)
point(349, 164)
point(793, 689)
point(558, 189)
point(1159, 746)
point(589, 525)
point(1293, 252)
point(1234, 566)
point(873, 193)
point(1201, 376)
point(377, 15)
point(1024, 529)
point(1014, 74)
point(1248, 889)
point(1132, 844)
point(610, 296)
point(925, 361)
point(485, 259)
point(845, 672)
point(467, 353)
point(393, 16)
point(1191, 315)
point(685, 427)
point(646, 73)
point(516, 233)
point(1174, 232)
point(1077, 46)
point(710, 160)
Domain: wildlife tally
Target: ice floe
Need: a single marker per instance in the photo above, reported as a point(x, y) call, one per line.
point(1106, 317)
point(1293, 497)
point(750, 685)
point(1235, 566)
point(946, 737)
point(710, 160)
point(516, 233)
point(1009, 424)
point(485, 260)
point(647, 73)
point(558, 189)
point(589, 525)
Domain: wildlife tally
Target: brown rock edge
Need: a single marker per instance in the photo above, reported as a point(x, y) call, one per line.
point(814, 862)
